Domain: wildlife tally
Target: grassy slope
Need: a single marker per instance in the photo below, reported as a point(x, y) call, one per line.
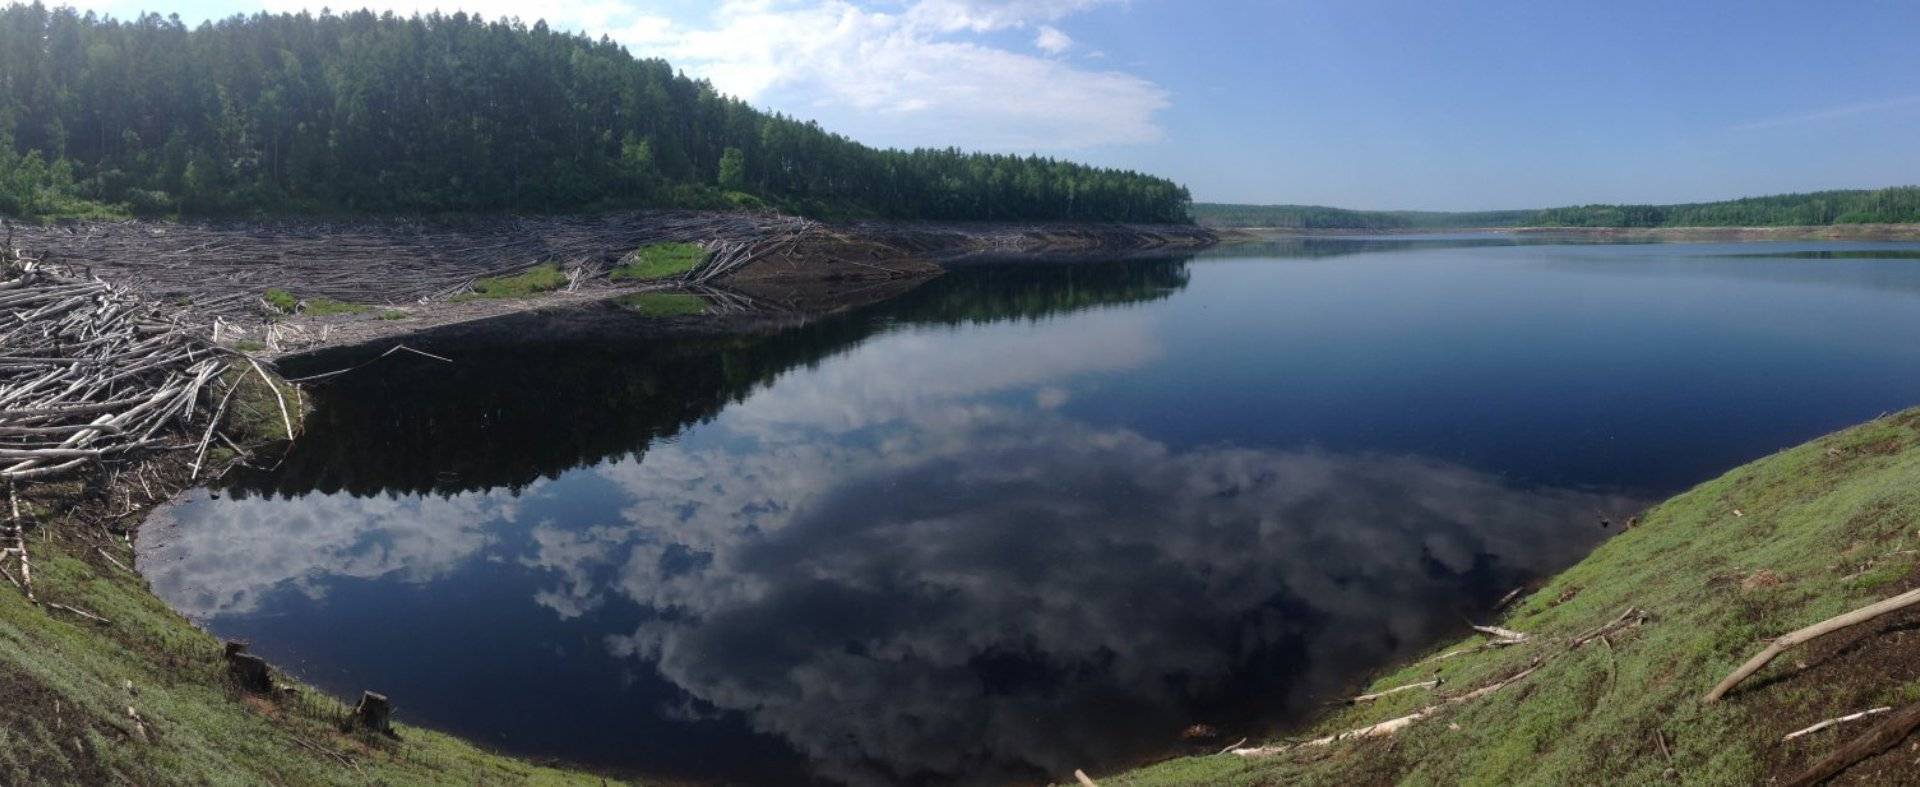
point(1837, 521)
point(64, 681)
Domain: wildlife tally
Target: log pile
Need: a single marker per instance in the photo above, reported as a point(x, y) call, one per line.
point(221, 268)
point(89, 372)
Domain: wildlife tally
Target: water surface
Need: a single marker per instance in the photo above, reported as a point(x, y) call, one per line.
point(1024, 519)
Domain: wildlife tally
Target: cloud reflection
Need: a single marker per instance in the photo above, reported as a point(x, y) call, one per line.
point(979, 590)
point(914, 563)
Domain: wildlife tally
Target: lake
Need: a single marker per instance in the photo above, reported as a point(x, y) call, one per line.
point(1024, 518)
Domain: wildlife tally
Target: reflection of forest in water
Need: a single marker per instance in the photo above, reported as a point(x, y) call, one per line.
point(513, 408)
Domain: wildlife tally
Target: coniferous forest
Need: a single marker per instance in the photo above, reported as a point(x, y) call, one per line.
point(277, 113)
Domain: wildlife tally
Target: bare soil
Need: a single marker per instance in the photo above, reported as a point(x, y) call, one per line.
point(406, 272)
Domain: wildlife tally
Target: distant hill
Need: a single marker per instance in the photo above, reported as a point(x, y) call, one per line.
point(1215, 214)
point(1900, 204)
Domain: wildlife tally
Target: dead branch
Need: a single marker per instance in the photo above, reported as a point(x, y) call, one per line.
point(1809, 633)
point(1835, 721)
point(1631, 617)
point(81, 612)
point(1396, 690)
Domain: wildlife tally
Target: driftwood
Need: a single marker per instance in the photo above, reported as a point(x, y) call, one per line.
point(1815, 631)
point(1885, 735)
point(91, 372)
point(1395, 690)
point(1631, 617)
point(1084, 780)
point(1835, 721)
point(1394, 725)
point(219, 269)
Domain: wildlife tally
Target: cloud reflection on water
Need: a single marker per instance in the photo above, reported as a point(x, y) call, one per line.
point(914, 562)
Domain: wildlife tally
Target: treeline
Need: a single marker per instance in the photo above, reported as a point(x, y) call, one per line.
point(1897, 205)
point(366, 113)
point(1877, 206)
point(1320, 217)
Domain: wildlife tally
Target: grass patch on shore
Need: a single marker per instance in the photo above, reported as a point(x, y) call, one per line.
point(287, 303)
point(664, 304)
point(1775, 545)
point(659, 261)
point(543, 278)
point(324, 307)
point(281, 300)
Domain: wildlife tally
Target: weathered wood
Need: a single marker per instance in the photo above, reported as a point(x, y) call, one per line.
point(1815, 631)
point(1835, 722)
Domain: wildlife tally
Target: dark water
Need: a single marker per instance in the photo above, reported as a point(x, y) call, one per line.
point(1024, 519)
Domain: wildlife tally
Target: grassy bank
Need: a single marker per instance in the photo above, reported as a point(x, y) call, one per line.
point(1778, 544)
point(101, 683)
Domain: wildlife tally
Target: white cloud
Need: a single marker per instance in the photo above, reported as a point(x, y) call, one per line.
point(1052, 41)
point(914, 79)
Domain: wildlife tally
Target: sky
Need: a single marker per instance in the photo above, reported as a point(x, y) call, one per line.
point(1422, 104)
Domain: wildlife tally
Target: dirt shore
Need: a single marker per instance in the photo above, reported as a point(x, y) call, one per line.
point(403, 276)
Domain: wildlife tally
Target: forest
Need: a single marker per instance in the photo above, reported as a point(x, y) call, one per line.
point(365, 113)
point(1895, 205)
point(1319, 217)
point(1878, 206)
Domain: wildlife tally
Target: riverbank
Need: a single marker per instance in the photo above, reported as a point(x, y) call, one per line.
point(343, 283)
point(1607, 685)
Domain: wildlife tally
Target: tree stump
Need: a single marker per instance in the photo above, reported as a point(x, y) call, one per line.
point(248, 670)
point(374, 713)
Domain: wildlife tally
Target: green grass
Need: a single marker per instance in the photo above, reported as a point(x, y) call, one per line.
point(659, 261)
point(392, 314)
point(544, 278)
point(323, 307)
point(1834, 519)
point(287, 303)
point(663, 304)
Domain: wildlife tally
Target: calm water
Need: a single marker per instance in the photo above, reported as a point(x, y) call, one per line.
point(1024, 519)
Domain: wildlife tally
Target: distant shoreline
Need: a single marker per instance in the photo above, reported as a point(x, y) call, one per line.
point(1863, 232)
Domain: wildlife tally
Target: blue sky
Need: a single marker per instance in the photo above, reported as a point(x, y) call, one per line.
point(1358, 103)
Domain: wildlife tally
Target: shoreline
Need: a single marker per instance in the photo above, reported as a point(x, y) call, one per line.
point(402, 276)
point(1861, 232)
point(1598, 674)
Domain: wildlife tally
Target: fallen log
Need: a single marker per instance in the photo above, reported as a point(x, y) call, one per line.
point(1885, 735)
point(1815, 631)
